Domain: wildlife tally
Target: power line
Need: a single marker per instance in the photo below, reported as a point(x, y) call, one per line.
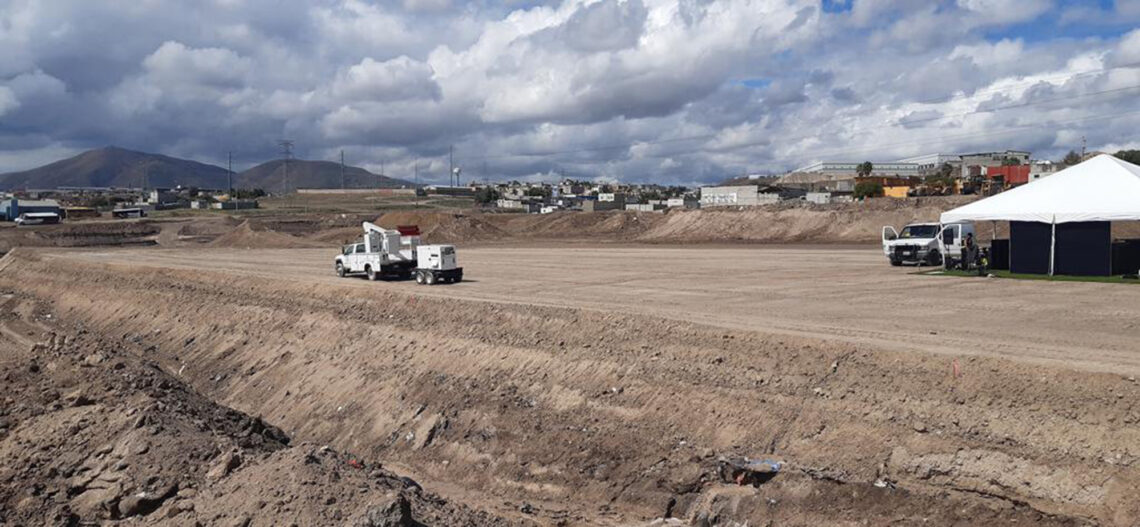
point(713, 135)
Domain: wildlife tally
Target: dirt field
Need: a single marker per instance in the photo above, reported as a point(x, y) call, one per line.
point(587, 385)
point(843, 294)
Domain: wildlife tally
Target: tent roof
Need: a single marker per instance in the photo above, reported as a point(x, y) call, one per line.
point(1103, 188)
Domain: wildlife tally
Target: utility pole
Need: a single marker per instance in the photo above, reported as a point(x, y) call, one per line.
point(342, 170)
point(380, 176)
point(417, 185)
point(287, 151)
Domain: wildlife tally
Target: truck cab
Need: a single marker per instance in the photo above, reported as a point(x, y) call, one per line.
point(380, 252)
point(925, 243)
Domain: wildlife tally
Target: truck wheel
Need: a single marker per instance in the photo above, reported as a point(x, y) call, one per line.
point(429, 278)
point(372, 274)
point(420, 277)
point(340, 269)
point(458, 278)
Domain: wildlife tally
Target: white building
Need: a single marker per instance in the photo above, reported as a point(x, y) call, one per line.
point(747, 195)
point(928, 163)
point(852, 169)
point(1040, 169)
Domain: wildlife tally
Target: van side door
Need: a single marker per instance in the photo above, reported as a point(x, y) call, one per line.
point(889, 235)
point(951, 241)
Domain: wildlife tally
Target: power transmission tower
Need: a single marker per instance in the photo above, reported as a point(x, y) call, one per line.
point(342, 187)
point(1083, 146)
point(287, 152)
point(451, 165)
point(230, 175)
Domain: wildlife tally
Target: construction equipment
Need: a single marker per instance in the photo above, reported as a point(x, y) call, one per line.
point(397, 253)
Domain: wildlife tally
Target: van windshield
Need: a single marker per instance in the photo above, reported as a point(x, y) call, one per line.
point(919, 231)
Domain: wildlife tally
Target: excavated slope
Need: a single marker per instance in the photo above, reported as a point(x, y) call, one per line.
point(579, 416)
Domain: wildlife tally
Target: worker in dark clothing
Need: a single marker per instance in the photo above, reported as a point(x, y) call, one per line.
point(969, 252)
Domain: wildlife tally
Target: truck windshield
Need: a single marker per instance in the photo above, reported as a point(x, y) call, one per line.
point(919, 231)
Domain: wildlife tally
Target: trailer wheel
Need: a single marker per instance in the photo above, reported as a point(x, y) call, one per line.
point(420, 277)
point(372, 274)
point(429, 278)
point(340, 269)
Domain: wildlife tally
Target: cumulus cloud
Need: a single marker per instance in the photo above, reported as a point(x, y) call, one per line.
point(664, 90)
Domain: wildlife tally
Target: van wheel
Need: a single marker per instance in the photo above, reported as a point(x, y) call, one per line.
point(429, 278)
point(934, 258)
point(340, 269)
point(372, 274)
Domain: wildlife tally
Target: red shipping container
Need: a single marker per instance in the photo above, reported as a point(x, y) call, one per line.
point(1011, 174)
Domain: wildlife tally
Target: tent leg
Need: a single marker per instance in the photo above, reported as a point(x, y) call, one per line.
point(1053, 246)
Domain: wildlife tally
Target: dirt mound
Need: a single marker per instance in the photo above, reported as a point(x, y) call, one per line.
point(443, 227)
point(858, 222)
point(245, 237)
point(91, 431)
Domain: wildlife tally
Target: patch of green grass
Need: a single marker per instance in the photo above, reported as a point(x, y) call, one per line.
point(1116, 279)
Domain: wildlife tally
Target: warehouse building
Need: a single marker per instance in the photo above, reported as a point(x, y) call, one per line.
point(12, 208)
point(852, 169)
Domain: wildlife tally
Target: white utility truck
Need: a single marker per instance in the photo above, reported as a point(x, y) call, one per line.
point(398, 253)
point(925, 243)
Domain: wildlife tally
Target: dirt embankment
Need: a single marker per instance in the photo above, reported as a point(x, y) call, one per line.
point(78, 235)
point(568, 415)
point(784, 223)
point(798, 222)
point(93, 430)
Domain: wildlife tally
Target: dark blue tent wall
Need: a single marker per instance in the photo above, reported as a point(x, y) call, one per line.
point(1083, 249)
point(1029, 243)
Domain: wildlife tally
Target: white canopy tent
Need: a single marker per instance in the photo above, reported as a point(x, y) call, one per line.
point(1103, 188)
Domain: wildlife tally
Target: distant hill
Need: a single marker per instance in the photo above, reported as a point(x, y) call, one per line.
point(312, 174)
point(117, 167)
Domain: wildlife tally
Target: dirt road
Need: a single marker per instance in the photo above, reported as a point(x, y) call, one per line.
point(843, 294)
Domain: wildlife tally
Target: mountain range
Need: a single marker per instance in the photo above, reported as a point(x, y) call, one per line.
point(118, 167)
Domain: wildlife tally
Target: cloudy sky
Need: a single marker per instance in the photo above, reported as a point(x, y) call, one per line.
point(668, 91)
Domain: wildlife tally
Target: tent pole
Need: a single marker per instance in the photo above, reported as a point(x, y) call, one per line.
point(1053, 245)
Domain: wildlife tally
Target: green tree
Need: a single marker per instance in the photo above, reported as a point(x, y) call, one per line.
point(865, 168)
point(946, 170)
point(1131, 156)
point(868, 189)
point(542, 192)
point(486, 195)
point(1071, 158)
point(246, 193)
point(1010, 162)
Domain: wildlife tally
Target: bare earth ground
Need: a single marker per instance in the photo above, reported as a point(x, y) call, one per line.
point(836, 294)
point(588, 385)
